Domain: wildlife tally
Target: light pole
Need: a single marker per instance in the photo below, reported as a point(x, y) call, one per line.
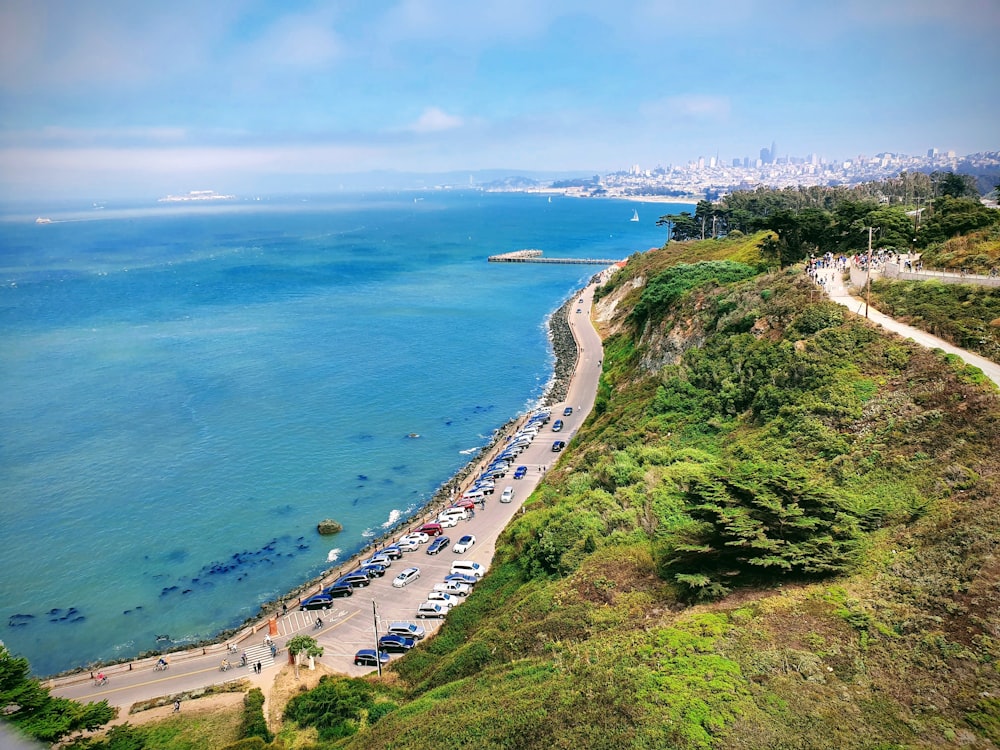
point(868, 284)
point(378, 652)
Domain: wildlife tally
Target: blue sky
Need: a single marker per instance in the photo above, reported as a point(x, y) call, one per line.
point(101, 98)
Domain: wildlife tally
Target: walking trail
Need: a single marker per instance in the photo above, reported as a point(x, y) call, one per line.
point(833, 282)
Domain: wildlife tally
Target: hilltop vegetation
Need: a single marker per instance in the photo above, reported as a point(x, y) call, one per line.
point(779, 528)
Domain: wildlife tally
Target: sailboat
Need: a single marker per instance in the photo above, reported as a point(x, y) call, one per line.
point(635, 215)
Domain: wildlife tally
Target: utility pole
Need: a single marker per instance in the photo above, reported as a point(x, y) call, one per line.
point(868, 295)
point(378, 653)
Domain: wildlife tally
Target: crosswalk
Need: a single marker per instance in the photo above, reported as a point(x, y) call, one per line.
point(295, 621)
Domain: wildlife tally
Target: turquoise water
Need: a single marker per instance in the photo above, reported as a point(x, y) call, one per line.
point(186, 391)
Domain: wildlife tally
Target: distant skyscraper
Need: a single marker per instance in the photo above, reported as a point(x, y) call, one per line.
point(765, 156)
point(774, 152)
point(931, 153)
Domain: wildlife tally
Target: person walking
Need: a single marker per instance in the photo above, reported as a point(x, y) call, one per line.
point(259, 667)
point(177, 706)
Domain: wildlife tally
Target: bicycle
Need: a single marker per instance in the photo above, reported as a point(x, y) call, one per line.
point(102, 680)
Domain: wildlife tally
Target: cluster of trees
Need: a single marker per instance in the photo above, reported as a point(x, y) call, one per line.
point(29, 706)
point(911, 211)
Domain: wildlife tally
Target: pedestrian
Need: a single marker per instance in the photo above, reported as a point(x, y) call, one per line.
point(177, 706)
point(243, 659)
point(274, 650)
point(259, 667)
point(284, 608)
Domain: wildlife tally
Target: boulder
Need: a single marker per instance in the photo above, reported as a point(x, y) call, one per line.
point(329, 526)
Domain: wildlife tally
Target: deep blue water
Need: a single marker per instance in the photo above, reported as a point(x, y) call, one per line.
point(185, 391)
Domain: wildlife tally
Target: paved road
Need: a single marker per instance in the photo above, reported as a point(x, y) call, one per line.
point(350, 624)
point(834, 284)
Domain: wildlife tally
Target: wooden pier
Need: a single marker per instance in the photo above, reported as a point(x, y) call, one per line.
point(535, 256)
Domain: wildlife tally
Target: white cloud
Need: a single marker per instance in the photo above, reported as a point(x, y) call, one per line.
point(302, 40)
point(434, 120)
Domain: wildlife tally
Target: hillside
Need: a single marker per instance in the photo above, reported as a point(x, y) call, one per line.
point(778, 528)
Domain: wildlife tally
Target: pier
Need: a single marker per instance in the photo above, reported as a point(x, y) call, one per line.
point(535, 256)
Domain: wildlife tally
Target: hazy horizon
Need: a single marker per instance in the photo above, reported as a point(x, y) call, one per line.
point(112, 98)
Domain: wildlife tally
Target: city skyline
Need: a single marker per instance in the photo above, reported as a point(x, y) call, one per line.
point(112, 98)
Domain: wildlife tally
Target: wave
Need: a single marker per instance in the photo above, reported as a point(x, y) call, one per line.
point(394, 515)
point(471, 451)
point(333, 554)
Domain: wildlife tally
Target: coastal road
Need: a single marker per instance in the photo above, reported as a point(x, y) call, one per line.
point(351, 623)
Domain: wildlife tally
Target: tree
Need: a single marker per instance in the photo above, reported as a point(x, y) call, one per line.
point(757, 522)
point(28, 705)
point(799, 233)
point(682, 226)
point(953, 185)
point(303, 645)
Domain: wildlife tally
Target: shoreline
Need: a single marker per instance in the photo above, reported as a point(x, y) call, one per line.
point(566, 354)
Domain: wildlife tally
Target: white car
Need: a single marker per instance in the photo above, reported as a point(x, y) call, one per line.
point(463, 544)
point(410, 574)
point(432, 609)
point(408, 545)
point(418, 536)
point(508, 494)
point(440, 596)
point(447, 522)
point(453, 588)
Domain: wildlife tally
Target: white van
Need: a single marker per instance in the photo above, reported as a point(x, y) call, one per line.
point(458, 514)
point(476, 496)
point(469, 568)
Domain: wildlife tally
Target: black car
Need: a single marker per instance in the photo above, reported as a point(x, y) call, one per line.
point(392, 551)
point(437, 545)
point(366, 658)
point(356, 580)
point(558, 445)
point(319, 601)
point(374, 570)
point(394, 642)
point(338, 590)
point(567, 411)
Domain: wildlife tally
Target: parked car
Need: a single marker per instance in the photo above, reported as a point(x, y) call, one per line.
point(394, 642)
point(448, 522)
point(419, 537)
point(376, 570)
point(465, 578)
point(558, 445)
point(392, 551)
point(367, 657)
point(567, 411)
point(431, 529)
point(437, 545)
point(431, 609)
point(358, 580)
point(378, 559)
point(469, 568)
point(442, 596)
point(465, 504)
point(408, 545)
point(409, 629)
point(454, 588)
point(557, 425)
point(319, 601)
point(456, 513)
point(336, 591)
point(463, 544)
point(410, 574)
point(507, 495)
point(521, 471)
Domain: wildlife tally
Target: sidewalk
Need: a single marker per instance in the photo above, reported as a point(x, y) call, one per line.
point(834, 285)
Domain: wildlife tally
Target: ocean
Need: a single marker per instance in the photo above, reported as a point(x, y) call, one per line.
point(187, 390)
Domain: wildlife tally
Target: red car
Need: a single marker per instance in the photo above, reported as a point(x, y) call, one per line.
point(431, 529)
point(467, 504)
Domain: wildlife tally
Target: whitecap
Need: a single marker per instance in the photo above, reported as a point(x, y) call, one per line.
point(333, 554)
point(394, 515)
point(368, 533)
point(470, 451)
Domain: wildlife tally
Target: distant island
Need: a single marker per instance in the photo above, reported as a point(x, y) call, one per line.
point(197, 195)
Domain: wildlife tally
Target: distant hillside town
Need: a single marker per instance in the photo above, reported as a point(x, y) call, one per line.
point(712, 178)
